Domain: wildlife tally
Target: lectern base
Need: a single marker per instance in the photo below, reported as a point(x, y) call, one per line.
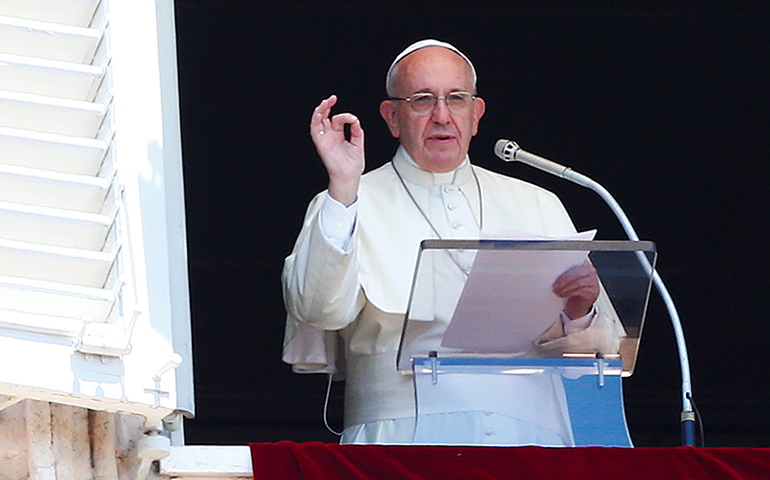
point(515, 401)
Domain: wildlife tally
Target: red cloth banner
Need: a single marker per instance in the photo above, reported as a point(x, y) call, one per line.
point(320, 461)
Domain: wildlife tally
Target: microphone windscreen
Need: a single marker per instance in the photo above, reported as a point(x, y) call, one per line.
point(506, 149)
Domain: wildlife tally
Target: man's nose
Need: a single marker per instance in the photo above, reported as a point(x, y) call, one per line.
point(441, 112)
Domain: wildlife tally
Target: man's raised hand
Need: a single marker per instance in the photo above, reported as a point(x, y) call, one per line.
point(343, 158)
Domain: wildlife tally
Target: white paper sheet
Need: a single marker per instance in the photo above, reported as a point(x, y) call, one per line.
point(508, 301)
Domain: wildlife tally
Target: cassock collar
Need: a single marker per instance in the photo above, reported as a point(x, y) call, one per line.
point(412, 173)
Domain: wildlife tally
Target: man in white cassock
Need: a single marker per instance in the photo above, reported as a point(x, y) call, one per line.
point(347, 281)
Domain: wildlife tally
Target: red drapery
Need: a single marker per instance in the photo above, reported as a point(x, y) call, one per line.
point(313, 460)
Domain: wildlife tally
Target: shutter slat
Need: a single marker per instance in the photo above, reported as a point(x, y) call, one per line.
point(53, 226)
point(69, 12)
point(47, 151)
point(53, 300)
point(48, 40)
point(50, 115)
point(51, 78)
point(55, 264)
point(44, 188)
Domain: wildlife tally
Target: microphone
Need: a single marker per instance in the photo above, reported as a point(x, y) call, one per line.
point(509, 151)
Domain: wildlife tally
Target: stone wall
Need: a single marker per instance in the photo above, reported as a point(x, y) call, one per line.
point(48, 441)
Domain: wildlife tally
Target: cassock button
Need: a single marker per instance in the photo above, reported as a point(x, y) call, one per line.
point(456, 225)
point(489, 432)
point(451, 206)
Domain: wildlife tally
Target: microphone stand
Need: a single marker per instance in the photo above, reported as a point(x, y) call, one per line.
point(688, 413)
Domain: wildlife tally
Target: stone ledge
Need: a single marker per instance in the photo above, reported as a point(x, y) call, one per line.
point(199, 462)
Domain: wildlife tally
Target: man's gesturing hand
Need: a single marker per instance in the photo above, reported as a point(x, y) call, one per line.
point(343, 158)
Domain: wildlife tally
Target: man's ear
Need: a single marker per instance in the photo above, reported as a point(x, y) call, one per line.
point(479, 107)
point(388, 112)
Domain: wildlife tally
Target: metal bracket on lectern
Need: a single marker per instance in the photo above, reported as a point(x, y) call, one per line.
point(434, 366)
point(600, 364)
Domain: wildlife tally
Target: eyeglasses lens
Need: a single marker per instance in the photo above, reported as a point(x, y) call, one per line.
point(424, 103)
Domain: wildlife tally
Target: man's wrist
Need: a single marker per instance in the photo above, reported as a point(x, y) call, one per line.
point(578, 324)
point(344, 191)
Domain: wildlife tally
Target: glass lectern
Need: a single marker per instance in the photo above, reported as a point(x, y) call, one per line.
point(484, 333)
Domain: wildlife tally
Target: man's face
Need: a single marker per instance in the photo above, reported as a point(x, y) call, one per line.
point(438, 142)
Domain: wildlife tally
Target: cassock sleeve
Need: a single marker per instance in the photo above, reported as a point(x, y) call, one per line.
point(321, 295)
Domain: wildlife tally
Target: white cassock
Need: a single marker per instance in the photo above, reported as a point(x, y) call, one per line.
point(346, 299)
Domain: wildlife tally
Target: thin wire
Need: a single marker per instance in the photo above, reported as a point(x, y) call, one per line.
point(326, 407)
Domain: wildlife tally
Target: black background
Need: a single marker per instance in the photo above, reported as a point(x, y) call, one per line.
point(666, 106)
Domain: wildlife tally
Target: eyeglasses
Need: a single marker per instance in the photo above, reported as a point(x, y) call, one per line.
point(424, 103)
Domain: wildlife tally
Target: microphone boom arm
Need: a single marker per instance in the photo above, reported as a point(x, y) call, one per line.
point(510, 151)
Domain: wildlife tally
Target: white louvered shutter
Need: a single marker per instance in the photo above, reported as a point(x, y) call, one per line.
point(94, 308)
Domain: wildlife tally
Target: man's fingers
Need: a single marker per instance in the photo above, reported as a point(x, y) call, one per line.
point(580, 273)
point(572, 282)
point(580, 285)
point(580, 293)
point(582, 289)
point(322, 123)
point(319, 121)
point(318, 125)
point(356, 133)
point(339, 121)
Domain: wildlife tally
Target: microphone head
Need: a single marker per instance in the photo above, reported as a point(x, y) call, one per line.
point(506, 150)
